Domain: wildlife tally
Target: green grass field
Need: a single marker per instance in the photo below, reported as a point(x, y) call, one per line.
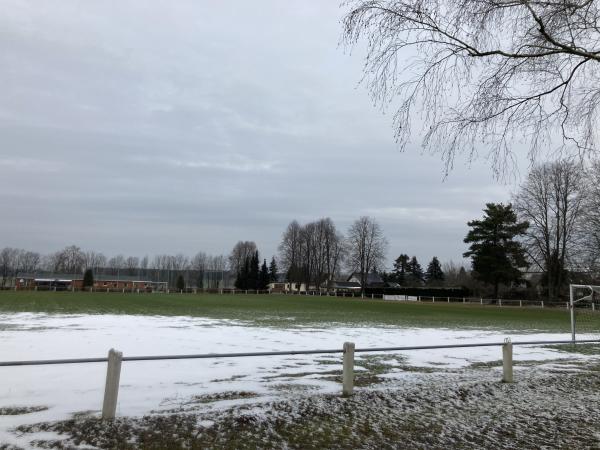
point(287, 311)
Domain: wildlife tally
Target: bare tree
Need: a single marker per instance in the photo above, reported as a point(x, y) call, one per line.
point(480, 74)
point(8, 261)
point(241, 251)
point(551, 200)
point(93, 260)
point(70, 260)
point(117, 262)
point(28, 262)
point(290, 250)
point(591, 221)
point(132, 264)
point(366, 247)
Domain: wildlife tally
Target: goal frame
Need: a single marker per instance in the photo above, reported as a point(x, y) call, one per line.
point(572, 301)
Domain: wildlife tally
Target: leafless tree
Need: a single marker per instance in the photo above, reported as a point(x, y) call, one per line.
point(93, 260)
point(117, 262)
point(551, 200)
point(8, 261)
point(290, 250)
point(132, 264)
point(366, 247)
point(70, 260)
point(480, 75)
point(241, 251)
point(311, 253)
point(591, 220)
point(28, 262)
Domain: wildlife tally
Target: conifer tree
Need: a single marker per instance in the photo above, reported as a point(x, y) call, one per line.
point(88, 278)
point(273, 270)
point(401, 267)
point(496, 256)
point(254, 272)
point(263, 282)
point(415, 270)
point(434, 274)
point(180, 283)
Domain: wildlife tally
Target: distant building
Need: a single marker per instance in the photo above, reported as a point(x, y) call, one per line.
point(373, 280)
point(61, 282)
point(341, 286)
point(286, 286)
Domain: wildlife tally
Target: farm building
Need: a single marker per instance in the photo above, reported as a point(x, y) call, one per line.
point(69, 281)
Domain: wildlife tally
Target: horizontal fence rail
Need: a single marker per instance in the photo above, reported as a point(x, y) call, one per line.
point(43, 362)
point(115, 358)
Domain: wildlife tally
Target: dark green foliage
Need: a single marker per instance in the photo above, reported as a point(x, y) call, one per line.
point(263, 277)
point(415, 271)
point(434, 274)
point(496, 256)
point(180, 283)
point(273, 270)
point(249, 275)
point(254, 274)
point(401, 267)
point(88, 278)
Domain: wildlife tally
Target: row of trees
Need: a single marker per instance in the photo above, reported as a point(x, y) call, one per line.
point(200, 270)
point(249, 275)
point(552, 228)
point(407, 271)
point(316, 252)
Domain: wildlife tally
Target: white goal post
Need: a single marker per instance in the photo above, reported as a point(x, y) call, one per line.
point(575, 301)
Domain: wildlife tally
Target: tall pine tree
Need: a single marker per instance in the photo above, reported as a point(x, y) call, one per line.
point(415, 271)
point(273, 270)
point(254, 273)
point(263, 278)
point(401, 267)
point(496, 256)
point(434, 274)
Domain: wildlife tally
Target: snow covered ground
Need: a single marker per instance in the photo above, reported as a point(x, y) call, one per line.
point(167, 385)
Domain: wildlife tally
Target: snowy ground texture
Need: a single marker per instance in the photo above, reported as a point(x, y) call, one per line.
point(425, 399)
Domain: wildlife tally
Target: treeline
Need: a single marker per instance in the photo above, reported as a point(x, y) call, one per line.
point(202, 270)
point(317, 252)
point(408, 272)
point(550, 231)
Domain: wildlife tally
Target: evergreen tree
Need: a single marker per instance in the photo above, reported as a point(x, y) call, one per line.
point(88, 278)
point(254, 272)
point(434, 274)
point(401, 267)
point(415, 271)
point(496, 256)
point(273, 270)
point(263, 279)
point(180, 283)
point(243, 275)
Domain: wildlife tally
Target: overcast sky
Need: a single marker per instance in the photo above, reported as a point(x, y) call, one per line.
point(145, 127)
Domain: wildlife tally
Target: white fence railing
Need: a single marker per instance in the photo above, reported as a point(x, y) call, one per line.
point(115, 359)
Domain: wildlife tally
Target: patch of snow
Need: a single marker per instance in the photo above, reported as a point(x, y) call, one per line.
point(160, 385)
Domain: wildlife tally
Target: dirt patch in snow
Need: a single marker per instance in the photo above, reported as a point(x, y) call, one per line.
point(471, 409)
point(18, 410)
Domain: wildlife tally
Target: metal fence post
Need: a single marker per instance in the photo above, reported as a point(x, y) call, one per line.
point(348, 369)
point(111, 389)
point(507, 362)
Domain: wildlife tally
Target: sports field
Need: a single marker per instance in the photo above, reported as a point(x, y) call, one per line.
point(423, 399)
point(290, 310)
